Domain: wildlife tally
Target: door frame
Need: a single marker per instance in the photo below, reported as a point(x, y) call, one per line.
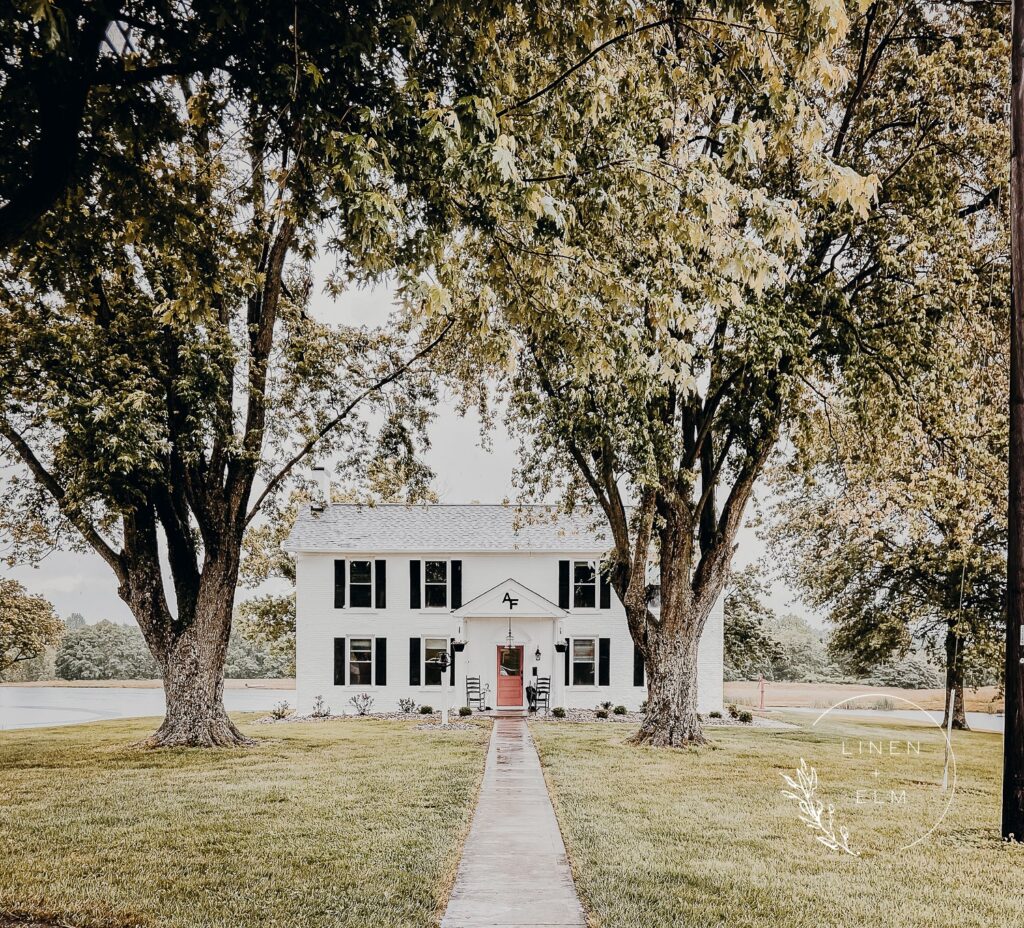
point(498, 704)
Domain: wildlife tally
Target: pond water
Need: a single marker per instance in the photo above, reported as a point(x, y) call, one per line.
point(979, 721)
point(39, 706)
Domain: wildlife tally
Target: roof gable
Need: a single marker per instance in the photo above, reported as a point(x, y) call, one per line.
point(509, 598)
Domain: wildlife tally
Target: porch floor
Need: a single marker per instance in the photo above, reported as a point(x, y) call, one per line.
point(513, 870)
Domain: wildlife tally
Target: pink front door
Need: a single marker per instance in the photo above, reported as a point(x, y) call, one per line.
point(510, 676)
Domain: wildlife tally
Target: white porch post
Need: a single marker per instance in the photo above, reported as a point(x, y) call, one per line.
point(556, 682)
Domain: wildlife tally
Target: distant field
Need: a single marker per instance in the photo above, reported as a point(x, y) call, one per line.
point(283, 683)
point(823, 695)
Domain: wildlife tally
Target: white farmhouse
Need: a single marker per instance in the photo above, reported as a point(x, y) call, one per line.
point(511, 595)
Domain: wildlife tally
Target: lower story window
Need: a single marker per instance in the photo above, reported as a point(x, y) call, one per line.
point(360, 662)
point(584, 659)
point(433, 651)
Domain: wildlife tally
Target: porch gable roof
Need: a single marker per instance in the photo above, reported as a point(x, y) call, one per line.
point(509, 597)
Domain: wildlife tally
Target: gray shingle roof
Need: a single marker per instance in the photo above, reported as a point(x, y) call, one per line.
point(445, 529)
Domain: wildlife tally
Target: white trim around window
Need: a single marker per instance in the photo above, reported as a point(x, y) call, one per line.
point(585, 656)
point(436, 585)
point(430, 647)
point(583, 586)
point(365, 664)
point(361, 580)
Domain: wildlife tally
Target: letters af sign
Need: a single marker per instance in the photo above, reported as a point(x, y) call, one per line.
point(512, 601)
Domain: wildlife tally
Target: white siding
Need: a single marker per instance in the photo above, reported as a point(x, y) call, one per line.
point(319, 623)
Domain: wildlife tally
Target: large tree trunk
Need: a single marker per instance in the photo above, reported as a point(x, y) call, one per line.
point(955, 680)
point(191, 648)
point(670, 718)
point(670, 640)
point(193, 675)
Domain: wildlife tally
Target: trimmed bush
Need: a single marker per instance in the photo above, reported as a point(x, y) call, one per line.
point(426, 710)
point(464, 711)
point(558, 712)
point(733, 711)
point(619, 710)
point(714, 714)
point(745, 717)
point(601, 713)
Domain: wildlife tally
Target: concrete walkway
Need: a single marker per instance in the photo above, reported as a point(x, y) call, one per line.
point(514, 873)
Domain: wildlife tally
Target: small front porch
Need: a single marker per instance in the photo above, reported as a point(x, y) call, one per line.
point(509, 636)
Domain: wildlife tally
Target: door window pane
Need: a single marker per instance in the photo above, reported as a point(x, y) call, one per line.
point(360, 663)
point(360, 584)
point(511, 662)
point(433, 648)
point(583, 652)
point(435, 584)
point(584, 585)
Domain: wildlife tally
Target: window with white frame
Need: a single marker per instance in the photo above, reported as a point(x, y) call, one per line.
point(435, 584)
point(584, 661)
point(434, 650)
point(360, 662)
point(584, 585)
point(360, 584)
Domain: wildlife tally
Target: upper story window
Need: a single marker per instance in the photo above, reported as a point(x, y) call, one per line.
point(435, 584)
point(360, 584)
point(584, 585)
point(584, 661)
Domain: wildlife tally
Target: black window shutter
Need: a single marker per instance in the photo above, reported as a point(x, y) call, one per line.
point(456, 587)
point(568, 658)
point(414, 662)
point(563, 584)
point(339, 661)
point(381, 580)
point(414, 584)
point(381, 646)
point(339, 584)
point(451, 667)
point(638, 667)
point(606, 591)
point(604, 659)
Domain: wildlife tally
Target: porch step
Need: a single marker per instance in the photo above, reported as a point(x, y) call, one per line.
point(508, 713)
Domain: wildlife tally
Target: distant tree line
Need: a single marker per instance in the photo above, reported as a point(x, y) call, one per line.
point(35, 645)
point(760, 643)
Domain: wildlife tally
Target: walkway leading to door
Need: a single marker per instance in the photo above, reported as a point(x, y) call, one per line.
point(513, 870)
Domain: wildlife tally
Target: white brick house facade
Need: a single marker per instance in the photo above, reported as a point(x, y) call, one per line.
point(382, 590)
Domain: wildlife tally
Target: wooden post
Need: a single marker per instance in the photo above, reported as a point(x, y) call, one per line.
point(760, 689)
point(1013, 740)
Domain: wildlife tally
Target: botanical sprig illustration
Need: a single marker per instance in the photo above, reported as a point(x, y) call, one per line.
point(813, 812)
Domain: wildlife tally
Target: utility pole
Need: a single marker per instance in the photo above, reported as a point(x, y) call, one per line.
point(1013, 739)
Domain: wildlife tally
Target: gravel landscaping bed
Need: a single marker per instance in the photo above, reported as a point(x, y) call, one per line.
point(635, 718)
point(353, 717)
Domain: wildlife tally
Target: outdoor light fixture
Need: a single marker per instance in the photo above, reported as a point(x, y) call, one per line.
point(536, 654)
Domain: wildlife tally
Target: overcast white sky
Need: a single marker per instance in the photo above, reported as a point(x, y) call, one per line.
point(465, 472)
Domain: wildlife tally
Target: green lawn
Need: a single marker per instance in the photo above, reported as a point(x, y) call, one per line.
point(332, 824)
point(705, 838)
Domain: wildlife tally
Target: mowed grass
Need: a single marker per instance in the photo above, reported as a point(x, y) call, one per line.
point(355, 823)
point(706, 838)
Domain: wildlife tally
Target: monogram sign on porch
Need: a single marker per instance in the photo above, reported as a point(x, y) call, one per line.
point(512, 603)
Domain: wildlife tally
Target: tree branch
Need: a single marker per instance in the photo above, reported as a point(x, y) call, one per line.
point(340, 417)
point(68, 509)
